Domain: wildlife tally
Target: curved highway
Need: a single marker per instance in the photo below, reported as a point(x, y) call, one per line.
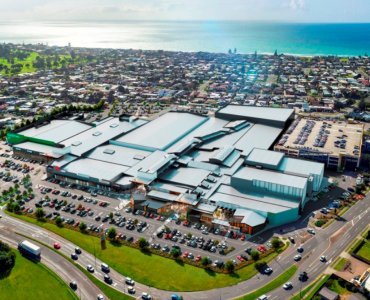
point(329, 242)
point(86, 290)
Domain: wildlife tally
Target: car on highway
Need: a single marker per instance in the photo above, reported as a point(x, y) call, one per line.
point(105, 268)
point(303, 276)
point(146, 296)
point(129, 281)
point(263, 297)
point(267, 270)
point(90, 268)
point(323, 258)
point(287, 286)
point(78, 250)
point(311, 231)
point(108, 279)
point(57, 246)
point(131, 290)
point(297, 257)
point(73, 285)
point(300, 249)
point(291, 239)
point(100, 297)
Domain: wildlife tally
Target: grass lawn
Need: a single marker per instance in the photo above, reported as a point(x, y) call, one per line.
point(364, 251)
point(151, 269)
point(29, 280)
point(335, 286)
point(340, 263)
point(277, 282)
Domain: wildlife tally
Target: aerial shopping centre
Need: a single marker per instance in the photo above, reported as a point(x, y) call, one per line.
point(217, 169)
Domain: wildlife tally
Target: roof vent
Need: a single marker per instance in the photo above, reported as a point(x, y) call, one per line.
point(96, 133)
point(77, 143)
point(113, 125)
point(109, 151)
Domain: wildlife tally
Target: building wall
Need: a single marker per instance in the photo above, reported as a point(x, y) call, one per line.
point(283, 217)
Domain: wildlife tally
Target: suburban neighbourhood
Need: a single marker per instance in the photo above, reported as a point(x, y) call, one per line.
point(137, 174)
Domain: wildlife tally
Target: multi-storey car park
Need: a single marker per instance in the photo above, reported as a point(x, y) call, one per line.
point(214, 169)
point(337, 144)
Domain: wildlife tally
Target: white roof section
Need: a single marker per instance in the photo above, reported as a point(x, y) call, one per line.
point(100, 134)
point(268, 113)
point(162, 132)
point(250, 217)
point(56, 131)
point(119, 155)
point(41, 148)
point(259, 136)
point(264, 157)
point(185, 176)
point(89, 168)
point(300, 166)
point(269, 176)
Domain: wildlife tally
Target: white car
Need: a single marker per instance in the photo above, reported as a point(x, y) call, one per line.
point(323, 258)
point(129, 281)
point(297, 257)
point(146, 296)
point(287, 286)
point(263, 297)
point(100, 297)
point(131, 290)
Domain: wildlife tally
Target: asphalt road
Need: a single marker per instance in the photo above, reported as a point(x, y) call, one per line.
point(86, 290)
point(330, 242)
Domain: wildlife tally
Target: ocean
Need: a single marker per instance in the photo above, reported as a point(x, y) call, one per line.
point(211, 36)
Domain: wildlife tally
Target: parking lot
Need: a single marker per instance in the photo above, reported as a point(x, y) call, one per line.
point(100, 213)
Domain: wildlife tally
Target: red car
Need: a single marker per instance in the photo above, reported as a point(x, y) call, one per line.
point(261, 248)
point(240, 258)
point(57, 246)
point(198, 258)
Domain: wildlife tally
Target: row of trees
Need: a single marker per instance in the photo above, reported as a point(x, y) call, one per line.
point(7, 260)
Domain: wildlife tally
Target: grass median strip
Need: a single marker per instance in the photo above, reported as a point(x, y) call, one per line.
point(23, 284)
point(275, 283)
point(151, 269)
point(312, 289)
point(110, 292)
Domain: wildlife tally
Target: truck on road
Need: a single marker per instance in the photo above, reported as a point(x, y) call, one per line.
point(30, 250)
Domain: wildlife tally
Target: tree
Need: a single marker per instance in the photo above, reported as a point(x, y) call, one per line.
point(260, 266)
point(205, 261)
point(112, 233)
point(175, 252)
point(275, 243)
point(7, 260)
point(111, 216)
point(59, 221)
point(40, 214)
point(255, 255)
point(82, 227)
point(143, 243)
point(229, 266)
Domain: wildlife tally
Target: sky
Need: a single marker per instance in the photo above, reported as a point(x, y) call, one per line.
point(321, 11)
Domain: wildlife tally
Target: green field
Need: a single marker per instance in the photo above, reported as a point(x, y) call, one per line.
point(150, 269)
point(340, 263)
point(276, 283)
point(29, 280)
point(364, 251)
point(27, 63)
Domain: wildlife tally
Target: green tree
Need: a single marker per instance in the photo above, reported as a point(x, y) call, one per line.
point(111, 215)
point(112, 233)
point(260, 266)
point(255, 255)
point(229, 266)
point(82, 227)
point(205, 261)
point(275, 243)
point(7, 260)
point(175, 252)
point(59, 221)
point(143, 243)
point(40, 214)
